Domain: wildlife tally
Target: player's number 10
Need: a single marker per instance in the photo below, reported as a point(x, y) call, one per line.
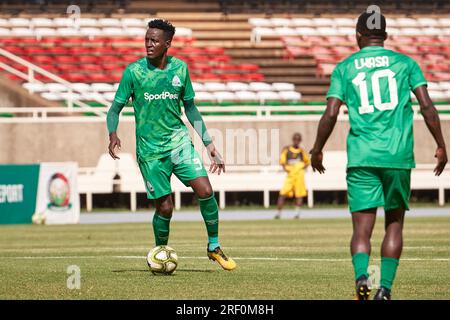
point(360, 81)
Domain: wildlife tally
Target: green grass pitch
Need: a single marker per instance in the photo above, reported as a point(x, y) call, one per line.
point(287, 259)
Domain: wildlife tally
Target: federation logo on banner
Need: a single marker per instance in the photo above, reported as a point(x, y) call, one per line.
point(59, 192)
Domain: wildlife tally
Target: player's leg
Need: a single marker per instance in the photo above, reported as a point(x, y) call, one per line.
point(161, 219)
point(284, 192)
point(397, 188)
point(156, 175)
point(190, 170)
point(391, 250)
point(280, 205)
point(298, 206)
point(299, 193)
point(365, 194)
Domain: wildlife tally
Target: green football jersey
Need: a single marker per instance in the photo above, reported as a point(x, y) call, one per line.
point(376, 83)
point(156, 96)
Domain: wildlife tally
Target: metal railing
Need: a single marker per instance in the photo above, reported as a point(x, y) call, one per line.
point(32, 69)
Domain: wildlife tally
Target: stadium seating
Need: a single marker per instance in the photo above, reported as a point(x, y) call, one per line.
point(330, 40)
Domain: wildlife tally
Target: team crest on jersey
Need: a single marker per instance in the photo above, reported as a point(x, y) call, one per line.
point(176, 82)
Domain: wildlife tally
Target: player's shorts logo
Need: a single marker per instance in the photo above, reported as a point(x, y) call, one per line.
point(176, 82)
point(150, 187)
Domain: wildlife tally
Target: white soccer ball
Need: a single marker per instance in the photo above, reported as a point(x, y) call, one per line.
point(162, 260)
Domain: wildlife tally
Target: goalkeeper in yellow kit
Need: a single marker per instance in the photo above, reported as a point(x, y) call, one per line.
point(294, 161)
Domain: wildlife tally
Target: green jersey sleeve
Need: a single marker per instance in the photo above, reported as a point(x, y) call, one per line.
point(416, 78)
point(336, 85)
point(188, 92)
point(125, 89)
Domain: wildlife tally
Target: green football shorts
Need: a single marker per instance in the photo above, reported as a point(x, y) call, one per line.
point(378, 187)
point(185, 163)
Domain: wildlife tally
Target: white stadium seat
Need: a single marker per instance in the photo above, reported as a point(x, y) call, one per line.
point(22, 32)
point(4, 23)
point(102, 87)
point(65, 32)
point(260, 86)
point(5, 32)
point(406, 22)
point(283, 86)
point(109, 96)
point(306, 31)
point(35, 86)
point(345, 31)
point(428, 22)
point(323, 22)
point(70, 96)
point(53, 96)
point(55, 87)
point(215, 86)
point(345, 22)
point(81, 86)
point(42, 22)
point(285, 31)
point(109, 22)
point(134, 31)
point(302, 22)
point(63, 22)
point(110, 31)
point(280, 22)
point(237, 86)
point(92, 32)
point(267, 96)
point(204, 96)
point(45, 32)
point(133, 22)
point(183, 32)
point(260, 22)
point(290, 95)
point(326, 31)
point(19, 22)
point(445, 22)
point(246, 96)
point(224, 96)
point(87, 22)
point(90, 96)
point(198, 86)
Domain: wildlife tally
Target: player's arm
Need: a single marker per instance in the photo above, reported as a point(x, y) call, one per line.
point(195, 119)
point(121, 98)
point(326, 126)
point(283, 159)
point(433, 123)
point(112, 122)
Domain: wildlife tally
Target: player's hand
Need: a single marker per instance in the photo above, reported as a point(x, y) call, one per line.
point(441, 156)
point(316, 161)
point(114, 142)
point(217, 162)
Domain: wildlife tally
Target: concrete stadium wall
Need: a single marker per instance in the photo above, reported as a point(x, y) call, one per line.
point(85, 142)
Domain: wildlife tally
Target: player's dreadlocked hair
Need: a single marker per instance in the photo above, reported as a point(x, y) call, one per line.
point(166, 26)
point(372, 26)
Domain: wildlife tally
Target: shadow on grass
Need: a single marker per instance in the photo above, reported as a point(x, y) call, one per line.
point(178, 270)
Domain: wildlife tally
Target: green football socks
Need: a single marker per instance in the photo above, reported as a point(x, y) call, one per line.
point(210, 213)
point(360, 264)
point(161, 227)
point(388, 270)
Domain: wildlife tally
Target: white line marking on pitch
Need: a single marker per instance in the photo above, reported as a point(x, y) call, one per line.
point(237, 258)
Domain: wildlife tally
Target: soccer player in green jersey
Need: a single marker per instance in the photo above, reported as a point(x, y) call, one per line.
point(375, 84)
point(157, 85)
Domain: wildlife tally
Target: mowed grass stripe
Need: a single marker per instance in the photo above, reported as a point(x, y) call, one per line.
point(306, 259)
